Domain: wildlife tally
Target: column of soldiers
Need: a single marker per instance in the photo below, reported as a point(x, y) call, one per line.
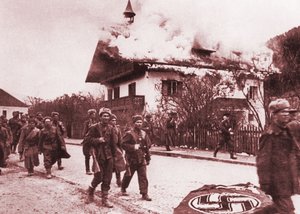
point(31, 136)
point(277, 157)
point(277, 160)
point(111, 151)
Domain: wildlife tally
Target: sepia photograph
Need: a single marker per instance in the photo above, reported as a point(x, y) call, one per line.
point(150, 107)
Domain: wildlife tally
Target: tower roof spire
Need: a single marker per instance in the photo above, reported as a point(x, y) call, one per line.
point(128, 13)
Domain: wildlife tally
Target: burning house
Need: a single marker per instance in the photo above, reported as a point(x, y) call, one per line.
point(132, 80)
point(133, 84)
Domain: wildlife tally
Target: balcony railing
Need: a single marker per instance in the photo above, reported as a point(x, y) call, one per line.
point(135, 103)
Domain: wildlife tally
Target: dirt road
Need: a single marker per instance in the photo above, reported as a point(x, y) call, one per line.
point(35, 194)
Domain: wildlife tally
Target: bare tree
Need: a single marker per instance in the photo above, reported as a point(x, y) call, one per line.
point(73, 109)
point(193, 100)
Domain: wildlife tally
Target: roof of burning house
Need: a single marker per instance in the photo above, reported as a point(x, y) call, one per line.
point(107, 62)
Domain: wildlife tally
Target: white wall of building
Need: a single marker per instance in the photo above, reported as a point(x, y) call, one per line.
point(257, 102)
point(9, 110)
point(147, 86)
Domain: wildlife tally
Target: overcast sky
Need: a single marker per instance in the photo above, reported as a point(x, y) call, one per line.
point(47, 46)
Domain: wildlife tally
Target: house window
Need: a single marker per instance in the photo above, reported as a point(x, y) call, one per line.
point(171, 87)
point(116, 92)
point(252, 92)
point(132, 89)
point(4, 113)
point(250, 118)
point(109, 94)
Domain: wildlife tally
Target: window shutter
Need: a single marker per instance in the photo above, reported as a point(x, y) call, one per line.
point(132, 89)
point(109, 94)
point(116, 92)
point(164, 88)
point(179, 88)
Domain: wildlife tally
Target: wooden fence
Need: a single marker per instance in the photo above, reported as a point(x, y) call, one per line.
point(244, 139)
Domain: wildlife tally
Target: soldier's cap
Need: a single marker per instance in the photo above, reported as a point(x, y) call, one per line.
point(16, 112)
point(148, 116)
point(113, 116)
point(54, 113)
point(38, 113)
point(47, 118)
point(136, 118)
point(278, 105)
point(104, 110)
point(91, 111)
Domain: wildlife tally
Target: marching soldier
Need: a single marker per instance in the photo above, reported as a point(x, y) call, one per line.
point(3, 141)
point(148, 127)
point(136, 144)
point(24, 121)
point(28, 145)
point(10, 136)
point(49, 143)
point(276, 159)
point(171, 131)
point(61, 131)
point(86, 146)
point(113, 122)
point(225, 136)
point(39, 120)
point(15, 126)
point(103, 138)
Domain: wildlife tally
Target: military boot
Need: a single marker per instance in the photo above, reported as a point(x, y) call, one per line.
point(48, 172)
point(232, 156)
point(215, 152)
point(105, 202)
point(21, 157)
point(123, 192)
point(59, 165)
point(146, 197)
point(90, 195)
point(30, 172)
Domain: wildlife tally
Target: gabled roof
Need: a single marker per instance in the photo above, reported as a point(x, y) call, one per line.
point(105, 59)
point(107, 64)
point(8, 100)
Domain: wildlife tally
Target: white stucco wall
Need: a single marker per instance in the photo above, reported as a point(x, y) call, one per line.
point(257, 102)
point(146, 86)
point(9, 110)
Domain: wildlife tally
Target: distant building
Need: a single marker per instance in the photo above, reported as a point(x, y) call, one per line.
point(9, 104)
